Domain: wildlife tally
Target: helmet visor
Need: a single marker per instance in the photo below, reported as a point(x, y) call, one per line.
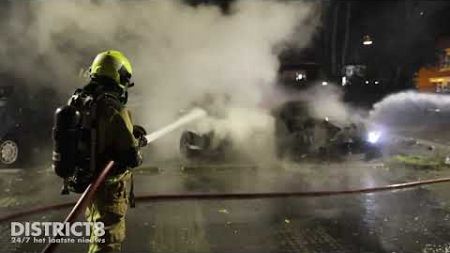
point(125, 77)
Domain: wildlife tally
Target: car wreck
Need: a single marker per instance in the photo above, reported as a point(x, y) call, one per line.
point(297, 135)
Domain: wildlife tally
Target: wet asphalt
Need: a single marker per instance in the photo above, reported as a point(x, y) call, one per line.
point(409, 220)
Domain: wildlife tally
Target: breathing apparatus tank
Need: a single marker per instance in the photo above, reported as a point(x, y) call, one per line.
point(65, 137)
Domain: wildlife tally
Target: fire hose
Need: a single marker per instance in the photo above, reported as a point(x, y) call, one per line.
point(82, 202)
point(91, 190)
point(242, 195)
point(89, 193)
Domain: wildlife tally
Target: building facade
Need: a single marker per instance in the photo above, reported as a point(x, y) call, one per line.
point(436, 79)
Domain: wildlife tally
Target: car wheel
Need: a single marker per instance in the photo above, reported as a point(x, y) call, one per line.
point(9, 152)
point(186, 140)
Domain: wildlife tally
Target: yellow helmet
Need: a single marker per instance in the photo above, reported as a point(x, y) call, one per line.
point(114, 65)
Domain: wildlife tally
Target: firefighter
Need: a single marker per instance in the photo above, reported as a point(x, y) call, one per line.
point(116, 139)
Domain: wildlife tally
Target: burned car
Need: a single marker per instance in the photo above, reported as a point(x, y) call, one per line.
point(299, 135)
point(296, 135)
point(207, 146)
point(202, 141)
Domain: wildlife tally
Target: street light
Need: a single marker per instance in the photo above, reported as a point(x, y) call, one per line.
point(299, 76)
point(367, 40)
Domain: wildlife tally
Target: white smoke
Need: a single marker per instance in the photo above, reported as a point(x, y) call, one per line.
point(327, 102)
point(179, 52)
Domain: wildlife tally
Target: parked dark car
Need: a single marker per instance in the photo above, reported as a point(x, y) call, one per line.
point(26, 121)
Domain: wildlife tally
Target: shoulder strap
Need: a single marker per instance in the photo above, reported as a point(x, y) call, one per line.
point(109, 100)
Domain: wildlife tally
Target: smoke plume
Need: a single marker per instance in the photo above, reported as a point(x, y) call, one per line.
point(179, 52)
point(328, 102)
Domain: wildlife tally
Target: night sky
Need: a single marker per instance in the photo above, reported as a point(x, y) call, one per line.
point(404, 35)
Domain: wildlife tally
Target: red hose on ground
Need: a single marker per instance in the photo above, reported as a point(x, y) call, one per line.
point(259, 195)
point(82, 202)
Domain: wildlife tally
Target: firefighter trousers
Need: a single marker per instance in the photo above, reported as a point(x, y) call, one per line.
point(109, 206)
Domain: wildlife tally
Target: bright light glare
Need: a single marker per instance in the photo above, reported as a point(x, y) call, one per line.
point(324, 83)
point(299, 76)
point(367, 40)
point(373, 137)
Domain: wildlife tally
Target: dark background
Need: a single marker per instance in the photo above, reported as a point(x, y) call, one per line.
point(405, 35)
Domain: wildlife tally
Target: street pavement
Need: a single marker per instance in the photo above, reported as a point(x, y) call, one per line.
point(408, 220)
